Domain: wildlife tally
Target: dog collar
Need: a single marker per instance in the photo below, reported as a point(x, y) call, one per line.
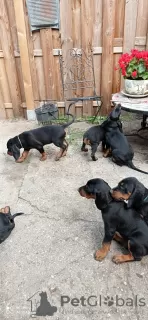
point(145, 199)
point(20, 141)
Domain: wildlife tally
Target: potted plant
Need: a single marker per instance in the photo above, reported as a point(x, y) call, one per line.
point(134, 68)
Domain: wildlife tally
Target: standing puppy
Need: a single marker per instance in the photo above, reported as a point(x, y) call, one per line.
point(93, 136)
point(37, 139)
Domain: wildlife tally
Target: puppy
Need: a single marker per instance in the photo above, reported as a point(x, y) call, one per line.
point(93, 136)
point(124, 228)
point(37, 138)
point(122, 152)
point(135, 195)
point(6, 223)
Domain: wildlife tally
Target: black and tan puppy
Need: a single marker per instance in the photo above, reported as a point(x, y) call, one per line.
point(95, 135)
point(6, 222)
point(134, 193)
point(37, 139)
point(121, 150)
point(123, 225)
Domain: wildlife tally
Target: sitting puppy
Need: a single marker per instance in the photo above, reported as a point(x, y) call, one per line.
point(118, 225)
point(93, 136)
point(6, 223)
point(134, 193)
point(37, 138)
point(122, 152)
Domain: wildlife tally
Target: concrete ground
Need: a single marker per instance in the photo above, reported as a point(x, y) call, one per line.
point(51, 248)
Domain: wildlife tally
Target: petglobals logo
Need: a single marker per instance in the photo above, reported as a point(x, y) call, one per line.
point(41, 305)
point(94, 301)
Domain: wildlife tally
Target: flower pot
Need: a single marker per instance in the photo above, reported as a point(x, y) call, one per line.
point(136, 86)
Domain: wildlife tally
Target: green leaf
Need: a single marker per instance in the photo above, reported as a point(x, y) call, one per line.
point(141, 68)
point(130, 69)
point(144, 76)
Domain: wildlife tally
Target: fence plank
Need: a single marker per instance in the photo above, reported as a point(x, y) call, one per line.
point(131, 8)
point(23, 45)
point(31, 53)
point(119, 33)
point(7, 47)
point(39, 65)
point(97, 42)
point(2, 107)
point(142, 23)
point(107, 53)
point(48, 62)
point(87, 19)
point(66, 34)
point(56, 37)
point(76, 21)
point(4, 86)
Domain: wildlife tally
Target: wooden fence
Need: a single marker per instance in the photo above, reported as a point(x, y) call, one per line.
point(29, 63)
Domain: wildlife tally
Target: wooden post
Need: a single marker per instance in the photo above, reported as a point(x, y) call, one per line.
point(24, 54)
point(107, 53)
point(9, 59)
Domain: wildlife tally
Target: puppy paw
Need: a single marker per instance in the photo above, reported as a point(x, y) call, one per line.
point(120, 258)
point(43, 158)
point(57, 158)
point(84, 149)
point(94, 158)
point(99, 255)
point(21, 159)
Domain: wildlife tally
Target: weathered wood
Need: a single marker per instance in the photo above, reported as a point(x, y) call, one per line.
point(57, 44)
point(107, 53)
point(97, 42)
point(117, 42)
point(39, 65)
point(2, 107)
point(7, 47)
point(48, 62)
point(31, 54)
point(87, 19)
point(131, 9)
point(66, 37)
point(23, 45)
point(141, 24)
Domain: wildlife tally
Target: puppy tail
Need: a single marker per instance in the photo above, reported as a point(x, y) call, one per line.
point(17, 214)
point(69, 123)
point(131, 165)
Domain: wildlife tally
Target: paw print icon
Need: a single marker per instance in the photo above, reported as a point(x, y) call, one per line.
point(108, 301)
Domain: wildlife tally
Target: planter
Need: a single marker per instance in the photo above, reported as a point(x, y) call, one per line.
point(47, 112)
point(136, 86)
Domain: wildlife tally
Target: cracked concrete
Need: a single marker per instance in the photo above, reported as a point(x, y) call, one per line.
point(51, 248)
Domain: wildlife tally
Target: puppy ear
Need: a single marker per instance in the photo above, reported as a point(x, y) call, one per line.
point(136, 197)
point(15, 151)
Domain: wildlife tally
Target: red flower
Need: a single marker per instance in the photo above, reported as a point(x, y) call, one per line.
point(123, 72)
point(134, 74)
